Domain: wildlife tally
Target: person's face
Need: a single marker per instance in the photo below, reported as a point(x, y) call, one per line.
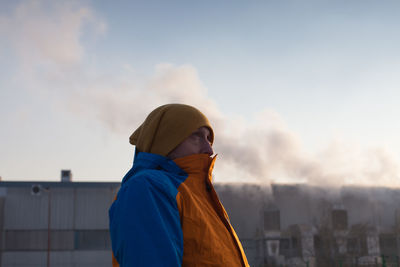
point(199, 142)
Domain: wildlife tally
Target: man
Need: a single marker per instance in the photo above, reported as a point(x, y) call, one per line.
point(167, 212)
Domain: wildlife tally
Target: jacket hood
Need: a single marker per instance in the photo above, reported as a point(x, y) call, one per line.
point(166, 127)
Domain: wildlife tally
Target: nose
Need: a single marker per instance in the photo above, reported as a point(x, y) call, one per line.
point(207, 148)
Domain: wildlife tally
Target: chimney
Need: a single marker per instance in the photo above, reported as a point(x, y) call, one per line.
point(66, 176)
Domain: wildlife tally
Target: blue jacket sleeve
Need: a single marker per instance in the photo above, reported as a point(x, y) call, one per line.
point(145, 224)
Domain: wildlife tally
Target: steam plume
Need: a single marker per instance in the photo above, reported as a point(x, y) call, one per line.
point(257, 149)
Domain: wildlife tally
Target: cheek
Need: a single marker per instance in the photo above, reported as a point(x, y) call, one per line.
point(194, 145)
point(190, 146)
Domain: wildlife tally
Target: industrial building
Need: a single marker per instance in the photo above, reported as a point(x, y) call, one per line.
point(58, 224)
point(301, 225)
point(65, 223)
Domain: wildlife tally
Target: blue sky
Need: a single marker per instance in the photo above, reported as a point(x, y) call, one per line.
point(299, 91)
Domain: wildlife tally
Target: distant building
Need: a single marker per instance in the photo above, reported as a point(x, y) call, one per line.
point(63, 223)
point(301, 225)
point(66, 224)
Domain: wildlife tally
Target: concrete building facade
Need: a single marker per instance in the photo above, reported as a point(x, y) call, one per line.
point(301, 225)
point(62, 224)
point(55, 224)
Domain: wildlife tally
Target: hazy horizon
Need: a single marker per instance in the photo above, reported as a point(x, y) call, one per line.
point(297, 91)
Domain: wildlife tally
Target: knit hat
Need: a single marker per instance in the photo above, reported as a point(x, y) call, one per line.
point(166, 127)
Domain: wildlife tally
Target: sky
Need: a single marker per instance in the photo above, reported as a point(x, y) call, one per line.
point(298, 91)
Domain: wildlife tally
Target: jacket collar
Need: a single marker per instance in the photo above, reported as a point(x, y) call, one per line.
point(144, 160)
point(194, 163)
point(197, 163)
point(150, 161)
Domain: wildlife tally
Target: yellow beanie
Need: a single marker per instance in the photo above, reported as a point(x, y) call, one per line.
point(166, 127)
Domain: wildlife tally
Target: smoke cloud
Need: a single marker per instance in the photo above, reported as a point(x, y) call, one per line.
point(259, 149)
point(48, 32)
